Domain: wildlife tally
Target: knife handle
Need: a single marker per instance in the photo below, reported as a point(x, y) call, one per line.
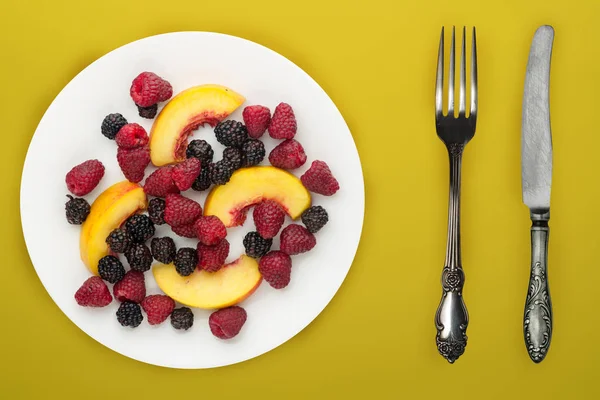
point(537, 321)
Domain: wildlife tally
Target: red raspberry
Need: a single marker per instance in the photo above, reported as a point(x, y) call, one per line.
point(283, 124)
point(131, 136)
point(276, 268)
point(268, 218)
point(84, 177)
point(187, 231)
point(148, 89)
point(257, 119)
point(160, 182)
point(93, 293)
point(133, 162)
point(131, 288)
point(296, 239)
point(158, 307)
point(180, 210)
point(319, 179)
point(212, 258)
point(185, 173)
point(210, 230)
point(288, 154)
point(227, 322)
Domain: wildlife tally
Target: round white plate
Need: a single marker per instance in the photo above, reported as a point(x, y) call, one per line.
point(69, 133)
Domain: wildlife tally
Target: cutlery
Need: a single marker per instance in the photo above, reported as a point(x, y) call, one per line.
point(536, 163)
point(452, 318)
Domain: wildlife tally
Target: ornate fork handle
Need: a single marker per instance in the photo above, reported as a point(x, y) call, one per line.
point(452, 318)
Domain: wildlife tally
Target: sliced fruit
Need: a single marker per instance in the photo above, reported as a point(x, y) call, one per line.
point(249, 186)
point(204, 104)
point(108, 212)
point(228, 286)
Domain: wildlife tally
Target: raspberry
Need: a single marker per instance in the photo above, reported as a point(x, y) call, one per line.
point(133, 162)
point(288, 154)
point(319, 179)
point(148, 89)
point(182, 318)
point(201, 150)
point(84, 177)
point(118, 240)
point(314, 218)
point(212, 258)
point(76, 210)
point(257, 119)
point(163, 249)
point(110, 269)
point(156, 211)
point(139, 227)
point(160, 182)
point(130, 314)
point(268, 218)
point(139, 257)
point(296, 239)
point(131, 288)
point(231, 133)
point(276, 269)
point(187, 231)
point(93, 293)
point(283, 124)
point(185, 173)
point(227, 322)
point(234, 156)
point(158, 307)
point(203, 181)
point(254, 152)
point(255, 245)
point(148, 112)
point(180, 210)
point(220, 172)
point(111, 125)
point(131, 136)
point(186, 261)
point(210, 230)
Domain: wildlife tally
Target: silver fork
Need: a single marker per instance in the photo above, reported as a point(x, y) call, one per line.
point(452, 318)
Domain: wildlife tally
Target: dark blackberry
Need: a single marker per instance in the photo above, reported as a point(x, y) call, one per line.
point(231, 133)
point(112, 124)
point(235, 157)
point(186, 261)
point(220, 172)
point(130, 314)
point(148, 112)
point(254, 152)
point(139, 257)
point(203, 180)
point(110, 269)
point(182, 318)
point(139, 227)
point(256, 246)
point(118, 240)
point(77, 210)
point(156, 211)
point(200, 149)
point(314, 218)
point(163, 249)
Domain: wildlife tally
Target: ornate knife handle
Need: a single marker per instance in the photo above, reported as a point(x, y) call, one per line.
point(537, 321)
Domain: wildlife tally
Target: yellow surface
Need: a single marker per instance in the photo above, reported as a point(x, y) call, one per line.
point(376, 59)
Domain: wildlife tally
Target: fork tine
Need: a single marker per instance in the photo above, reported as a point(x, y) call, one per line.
point(451, 77)
point(439, 82)
point(473, 112)
point(462, 101)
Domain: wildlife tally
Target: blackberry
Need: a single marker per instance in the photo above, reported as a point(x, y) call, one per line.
point(163, 249)
point(254, 152)
point(139, 227)
point(110, 269)
point(220, 172)
point(314, 218)
point(148, 112)
point(235, 157)
point(156, 211)
point(77, 210)
point(203, 180)
point(112, 124)
point(130, 314)
point(200, 149)
point(231, 133)
point(256, 246)
point(118, 240)
point(186, 261)
point(182, 318)
point(139, 257)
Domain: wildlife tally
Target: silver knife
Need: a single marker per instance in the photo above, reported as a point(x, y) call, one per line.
point(536, 163)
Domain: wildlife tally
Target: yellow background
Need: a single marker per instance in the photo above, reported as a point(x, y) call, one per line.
point(376, 59)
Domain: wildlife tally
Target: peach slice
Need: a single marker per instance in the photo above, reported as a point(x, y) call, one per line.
point(250, 186)
point(228, 286)
point(108, 212)
point(198, 105)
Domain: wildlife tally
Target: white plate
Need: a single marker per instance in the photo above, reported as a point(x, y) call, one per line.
point(69, 133)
